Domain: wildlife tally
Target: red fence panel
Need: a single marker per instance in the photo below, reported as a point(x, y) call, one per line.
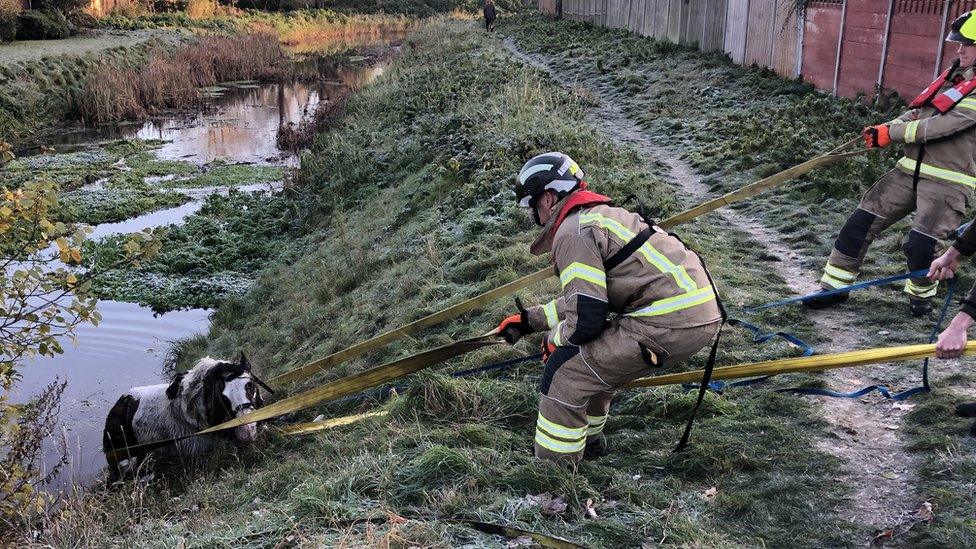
point(821, 27)
point(860, 56)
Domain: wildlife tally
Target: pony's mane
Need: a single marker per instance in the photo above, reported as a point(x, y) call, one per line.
point(193, 387)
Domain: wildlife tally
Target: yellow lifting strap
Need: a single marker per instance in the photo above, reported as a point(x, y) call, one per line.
point(802, 364)
point(316, 426)
point(385, 338)
point(339, 388)
point(310, 369)
point(369, 379)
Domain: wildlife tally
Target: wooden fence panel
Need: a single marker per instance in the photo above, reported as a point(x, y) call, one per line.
point(636, 21)
point(661, 10)
point(569, 9)
point(676, 21)
point(694, 22)
point(785, 34)
point(736, 29)
point(762, 19)
point(548, 7)
point(647, 18)
point(713, 31)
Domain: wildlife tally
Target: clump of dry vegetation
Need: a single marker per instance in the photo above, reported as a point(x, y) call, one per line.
point(173, 79)
point(296, 137)
point(9, 11)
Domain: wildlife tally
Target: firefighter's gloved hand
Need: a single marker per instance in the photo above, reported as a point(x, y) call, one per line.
point(515, 326)
point(876, 136)
point(547, 349)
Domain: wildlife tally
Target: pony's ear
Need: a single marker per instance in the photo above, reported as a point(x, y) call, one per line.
point(173, 390)
point(244, 362)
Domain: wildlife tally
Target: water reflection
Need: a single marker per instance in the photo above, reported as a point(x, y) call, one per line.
point(125, 350)
point(239, 123)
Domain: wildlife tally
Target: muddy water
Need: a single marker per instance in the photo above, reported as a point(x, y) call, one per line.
point(126, 350)
point(239, 124)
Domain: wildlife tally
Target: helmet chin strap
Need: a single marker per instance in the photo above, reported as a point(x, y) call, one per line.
point(535, 211)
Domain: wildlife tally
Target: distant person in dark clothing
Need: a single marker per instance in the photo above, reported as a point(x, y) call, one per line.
point(489, 16)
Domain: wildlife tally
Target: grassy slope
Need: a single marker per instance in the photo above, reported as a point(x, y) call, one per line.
point(406, 207)
point(737, 125)
point(38, 93)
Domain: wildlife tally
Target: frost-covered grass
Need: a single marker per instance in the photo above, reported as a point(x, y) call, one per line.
point(215, 253)
point(104, 184)
point(736, 125)
point(405, 207)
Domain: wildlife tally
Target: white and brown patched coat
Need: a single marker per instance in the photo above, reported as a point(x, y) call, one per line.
point(212, 392)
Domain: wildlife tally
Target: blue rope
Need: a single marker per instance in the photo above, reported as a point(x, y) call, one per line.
point(924, 388)
point(824, 293)
point(758, 337)
point(503, 365)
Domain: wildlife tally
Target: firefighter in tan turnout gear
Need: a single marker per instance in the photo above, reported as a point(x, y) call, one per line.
point(609, 261)
point(935, 178)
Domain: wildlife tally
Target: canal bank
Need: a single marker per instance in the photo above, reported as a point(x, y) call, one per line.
point(213, 178)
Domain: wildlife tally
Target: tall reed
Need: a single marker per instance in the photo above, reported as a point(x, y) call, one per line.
point(172, 79)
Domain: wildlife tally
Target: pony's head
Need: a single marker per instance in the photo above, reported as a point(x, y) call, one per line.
point(215, 391)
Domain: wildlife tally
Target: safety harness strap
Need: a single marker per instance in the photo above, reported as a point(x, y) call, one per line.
point(627, 251)
point(710, 365)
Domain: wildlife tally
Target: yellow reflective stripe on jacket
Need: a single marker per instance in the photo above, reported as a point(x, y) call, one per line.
point(910, 130)
point(551, 316)
point(583, 272)
point(558, 446)
point(652, 256)
point(676, 303)
point(968, 103)
point(938, 173)
point(561, 431)
point(556, 340)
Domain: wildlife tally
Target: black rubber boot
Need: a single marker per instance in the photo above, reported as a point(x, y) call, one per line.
point(818, 303)
point(596, 448)
point(966, 409)
point(920, 307)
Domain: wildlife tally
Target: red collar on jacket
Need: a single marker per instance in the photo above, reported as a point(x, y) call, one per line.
point(579, 199)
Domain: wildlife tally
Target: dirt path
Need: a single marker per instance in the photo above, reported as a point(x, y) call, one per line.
point(865, 430)
point(30, 50)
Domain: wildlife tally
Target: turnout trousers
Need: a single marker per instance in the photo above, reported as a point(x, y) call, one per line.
point(939, 209)
point(579, 382)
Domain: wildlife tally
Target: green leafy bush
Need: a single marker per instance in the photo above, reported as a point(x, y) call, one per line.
point(9, 10)
point(39, 25)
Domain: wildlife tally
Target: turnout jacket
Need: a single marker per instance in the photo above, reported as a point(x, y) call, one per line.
point(662, 283)
point(966, 244)
point(949, 139)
